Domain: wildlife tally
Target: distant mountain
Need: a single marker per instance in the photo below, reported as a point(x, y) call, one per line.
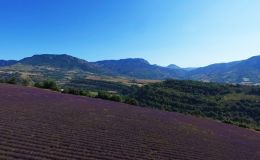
point(140, 68)
point(4, 63)
point(189, 68)
point(68, 67)
point(62, 61)
point(245, 72)
point(61, 68)
point(173, 66)
point(132, 67)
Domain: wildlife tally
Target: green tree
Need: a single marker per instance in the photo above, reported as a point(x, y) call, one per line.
point(12, 80)
point(116, 98)
point(103, 95)
point(25, 82)
point(47, 84)
point(131, 101)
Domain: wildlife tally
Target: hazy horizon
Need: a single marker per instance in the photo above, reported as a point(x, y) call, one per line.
point(187, 33)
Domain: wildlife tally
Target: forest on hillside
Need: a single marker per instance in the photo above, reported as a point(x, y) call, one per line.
point(235, 104)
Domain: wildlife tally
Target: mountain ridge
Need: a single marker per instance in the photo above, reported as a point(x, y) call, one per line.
point(4, 63)
point(140, 68)
point(243, 72)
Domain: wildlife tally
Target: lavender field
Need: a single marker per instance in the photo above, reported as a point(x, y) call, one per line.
point(39, 124)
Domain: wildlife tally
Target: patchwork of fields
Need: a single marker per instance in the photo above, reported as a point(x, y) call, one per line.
point(39, 124)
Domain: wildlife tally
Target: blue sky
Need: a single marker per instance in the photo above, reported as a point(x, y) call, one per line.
point(188, 33)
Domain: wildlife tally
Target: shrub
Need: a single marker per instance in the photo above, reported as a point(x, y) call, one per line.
point(116, 98)
point(47, 84)
point(25, 82)
point(131, 101)
point(11, 80)
point(50, 85)
point(103, 95)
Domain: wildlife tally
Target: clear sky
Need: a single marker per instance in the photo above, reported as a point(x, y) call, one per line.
point(188, 33)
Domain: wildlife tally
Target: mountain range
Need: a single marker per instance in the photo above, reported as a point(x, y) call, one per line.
point(7, 63)
point(66, 67)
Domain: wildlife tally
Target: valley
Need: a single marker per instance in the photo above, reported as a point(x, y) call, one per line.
point(233, 103)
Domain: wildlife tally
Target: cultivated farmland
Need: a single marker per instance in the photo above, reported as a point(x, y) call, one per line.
point(39, 124)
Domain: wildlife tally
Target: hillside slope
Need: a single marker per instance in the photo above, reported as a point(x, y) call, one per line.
point(62, 67)
point(4, 63)
point(39, 124)
point(62, 61)
point(235, 104)
point(140, 68)
point(245, 72)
